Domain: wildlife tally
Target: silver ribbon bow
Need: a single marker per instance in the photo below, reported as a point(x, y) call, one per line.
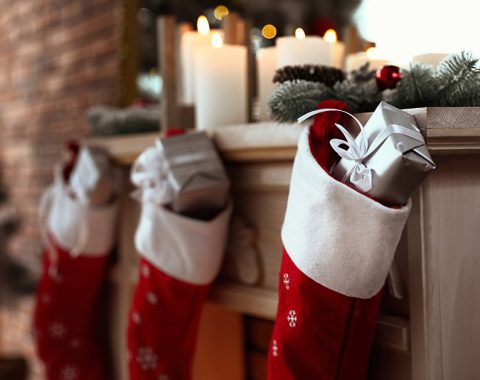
point(152, 174)
point(358, 151)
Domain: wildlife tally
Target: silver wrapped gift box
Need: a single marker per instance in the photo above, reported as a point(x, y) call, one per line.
point(388, 159)
point(196, 173)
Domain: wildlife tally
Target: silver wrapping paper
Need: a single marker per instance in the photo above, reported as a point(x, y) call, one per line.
point(196, 171)
point(399, 164)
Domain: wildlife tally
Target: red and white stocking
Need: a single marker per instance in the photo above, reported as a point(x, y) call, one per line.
point(339, 245)
point(67, 313)
point(180, 257)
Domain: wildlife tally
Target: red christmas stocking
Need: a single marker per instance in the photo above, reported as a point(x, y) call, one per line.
point(339, 245)
point(180, 257)
point(66, 318)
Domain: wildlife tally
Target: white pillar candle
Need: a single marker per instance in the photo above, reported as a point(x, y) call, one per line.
point(338, 55)
point(356, 60)
point(190, 41)
point(301, 50)
point(429, 59)
point(220, 85)
point(266, 66)
point(338, 48)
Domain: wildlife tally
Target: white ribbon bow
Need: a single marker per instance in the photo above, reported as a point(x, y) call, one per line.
point(150, 174)
point(359, 174)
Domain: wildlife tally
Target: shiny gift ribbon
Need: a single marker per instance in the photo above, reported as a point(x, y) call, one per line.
point(359, 174)
point(152, 174)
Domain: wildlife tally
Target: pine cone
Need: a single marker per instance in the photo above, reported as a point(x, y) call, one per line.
point(312, 73)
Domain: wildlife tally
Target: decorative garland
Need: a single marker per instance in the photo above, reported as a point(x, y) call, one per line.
point(454, 83)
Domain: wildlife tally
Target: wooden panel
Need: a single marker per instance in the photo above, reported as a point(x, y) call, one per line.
point(128, 51)
point(393, 333)
point(220, 351)
point(260, 142)
point(389, 365)
point(167, 57)
point(257, 365)
point(258, 333)
point(122, 286)
point(232, 29)
point(451, 212)
point(453, 117)
point(246, 300)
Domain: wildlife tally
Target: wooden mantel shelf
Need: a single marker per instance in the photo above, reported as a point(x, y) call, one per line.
point(444, 129)
point(261, 156)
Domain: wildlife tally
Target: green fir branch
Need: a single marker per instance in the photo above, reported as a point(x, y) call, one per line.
point(293, 99)
point(459, 79)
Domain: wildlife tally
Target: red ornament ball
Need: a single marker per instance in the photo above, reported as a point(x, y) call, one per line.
point(388, 77)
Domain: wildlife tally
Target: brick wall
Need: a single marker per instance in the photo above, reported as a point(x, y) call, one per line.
point(57, 58)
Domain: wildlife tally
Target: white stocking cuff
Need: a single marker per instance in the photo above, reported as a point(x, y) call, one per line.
point(69, 218)
point(338, 237)
point(187, 249)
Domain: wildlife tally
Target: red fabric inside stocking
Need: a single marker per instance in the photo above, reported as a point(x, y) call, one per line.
point(67, 317)
point(162, 326)
point(319, 333)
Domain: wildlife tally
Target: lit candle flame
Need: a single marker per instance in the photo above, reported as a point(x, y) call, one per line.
point(299, 33)
point(217, 41)
point(202, 25)
point(330, 36)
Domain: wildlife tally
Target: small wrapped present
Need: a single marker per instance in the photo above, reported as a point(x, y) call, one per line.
point(388, 159)
point(196, 173)
point(91, 179)
point(184, 173)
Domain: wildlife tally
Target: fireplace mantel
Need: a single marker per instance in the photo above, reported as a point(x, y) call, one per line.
point(425, 327)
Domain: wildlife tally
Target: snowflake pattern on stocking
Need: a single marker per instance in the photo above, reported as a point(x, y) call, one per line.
point(146, 358)
point(136, 318)
point(57, 330)
point(152, 298)
point(275, 348)
point(286, 281)
point(69, 373)
point(292, 318)
point(145, 271)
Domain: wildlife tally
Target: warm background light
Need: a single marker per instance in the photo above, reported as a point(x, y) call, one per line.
point(330, 36)
point(299, 33)
point(217, 41)
point(372, 53)
point(269, 31)
point(202, 25)
point(220, 12)
point(441, 27)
